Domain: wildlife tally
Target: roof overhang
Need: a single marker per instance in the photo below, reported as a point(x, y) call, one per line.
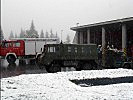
point(102, 23)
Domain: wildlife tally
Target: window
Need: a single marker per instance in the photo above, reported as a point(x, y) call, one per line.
point(51, 49)
point(4, 44)
point(69, 49)
point(82, 49)
point(10, 44)
point(75, 49)
point(16, 44)
point(57, 49)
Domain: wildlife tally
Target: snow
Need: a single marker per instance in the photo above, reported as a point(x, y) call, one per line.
point(57, 86)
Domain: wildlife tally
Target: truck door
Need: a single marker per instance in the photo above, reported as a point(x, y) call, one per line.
point(18, 48)
point(4, 48)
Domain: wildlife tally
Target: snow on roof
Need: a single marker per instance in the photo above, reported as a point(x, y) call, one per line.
point(103, 23)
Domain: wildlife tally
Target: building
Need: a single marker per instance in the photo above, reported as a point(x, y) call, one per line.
point(117, 33)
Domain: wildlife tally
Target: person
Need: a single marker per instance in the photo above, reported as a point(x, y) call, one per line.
point(44, 49)
point(99, 50)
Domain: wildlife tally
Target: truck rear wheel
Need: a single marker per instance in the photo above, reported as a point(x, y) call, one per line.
point(78, 67)
point(53, 68)
point(38, 62)
point(11, 59)
point(87, 66)
point(22, 62)
point(127, 66)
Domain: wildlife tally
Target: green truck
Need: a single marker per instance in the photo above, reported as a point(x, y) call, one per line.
point(80, 56)
point(117, 59)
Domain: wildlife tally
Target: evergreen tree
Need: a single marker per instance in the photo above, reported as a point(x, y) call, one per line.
point(11, 35)
point(47, 34)
point(58, 39)
point(32, 33)
point(1, 34)
point(16, 35)
point(68, 39)
point(56, 35)
point(42, 34)
point(22, 33)
point(51, 34)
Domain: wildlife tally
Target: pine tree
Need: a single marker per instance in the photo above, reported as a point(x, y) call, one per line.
point(32, 26)
point(56, 36)
point(51, 34)
point(47, 34)
point(16, 35)
point(1, 34)
point(22, 33)
point(68, 39)
point(42, 34)
point(32, 33)
point(11, 35)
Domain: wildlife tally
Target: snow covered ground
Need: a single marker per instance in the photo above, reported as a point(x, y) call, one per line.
point(56, 86)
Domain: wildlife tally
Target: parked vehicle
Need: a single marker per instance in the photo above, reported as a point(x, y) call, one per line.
point(22, 49)
point(11, 50)
point(117, 60)
point(55, 56)
point(80, 56)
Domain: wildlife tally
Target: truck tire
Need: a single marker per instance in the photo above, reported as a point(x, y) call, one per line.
point(12, 67)
point(127, 66)
point(32, 61)
point(22, 62)
point(38, 62)
point(87, 66)
point(11, 59)
point(94, 65)
point(53, 68)
point(78, 67)
point(38, 59)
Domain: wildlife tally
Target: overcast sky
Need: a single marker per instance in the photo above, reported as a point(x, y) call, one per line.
point(60, 14)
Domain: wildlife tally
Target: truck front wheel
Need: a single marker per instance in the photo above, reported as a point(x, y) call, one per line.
point(11, 59)
point(127, 66)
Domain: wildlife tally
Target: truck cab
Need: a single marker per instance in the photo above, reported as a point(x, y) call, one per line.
point(10, 50)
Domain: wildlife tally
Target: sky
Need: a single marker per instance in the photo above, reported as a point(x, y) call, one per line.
point(60, 15)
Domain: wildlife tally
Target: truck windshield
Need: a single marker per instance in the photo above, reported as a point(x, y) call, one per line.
point(5, 44)
point(16, 44)
point(119, 56)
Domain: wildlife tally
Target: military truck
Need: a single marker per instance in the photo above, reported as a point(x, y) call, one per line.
point(116, 59)
point(80, 56)
point(123, 61)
